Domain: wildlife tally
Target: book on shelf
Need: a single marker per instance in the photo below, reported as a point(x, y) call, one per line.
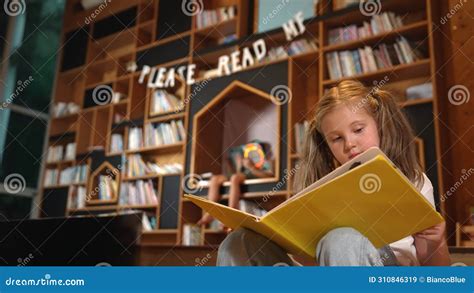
point(118, 117)
point(379, 23)
point(164, 133)
point(51, 177)
point(77, 197)
point(107, 188)
point(116, 144)
point(62, 109)
point(135, 138)
point(149, 222)
point(369, 183)
point(294, 48)
point(191, 234)
point(138, 193)
point(136, 166)
point(117, 97)
point(55, 153)
point(364, 60)
point(211, 17)
point(420, 91)
point(251, 207)
point(227, 39)
point(163, 101)
point(74, 174)
point(300, 131)
point(70, 153)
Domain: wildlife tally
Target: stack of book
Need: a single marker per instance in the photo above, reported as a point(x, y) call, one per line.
point(136, 167)
point(301, 46)
point(63, 109)
point(77, 197)
point(211, 17)
point(135, 138)
point(379, 23)
point(138, 193)
point(55, 154)
point(163, 102)
point(251, 207)
point(294, 48)
point(424, 90)
point(148, 222)
point(51, 177)
point(116, 144)
point(191, 234)
point(75, 174)
point(364, 60)
point(118, 117)
point(107, 188)
point(117, 97)
point(227, 39)
point(300, 131)
point(70, 151)
point(164, 133)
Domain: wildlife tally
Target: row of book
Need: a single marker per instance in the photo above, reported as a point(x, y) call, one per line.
point(136, 167)
point(227, 39)
point(74, 174)
point(156, 135)
point(56, 153)
point(363, 60)
point(379, 23)
point(62, 109)
point(149, 222)
point(191, 235)
point(300, 131)
point(77, 197)
point(294, 48)
point(116, 143)
point(51, 177)
point(163, 101)
point(164, 133)
point(107, 188)
point(211, 17)
point(138, 193)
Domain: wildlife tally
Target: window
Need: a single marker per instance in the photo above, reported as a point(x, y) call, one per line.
point(29, 53)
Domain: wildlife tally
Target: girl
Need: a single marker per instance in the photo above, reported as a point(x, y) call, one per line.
point(349, 119)
point(256, 166)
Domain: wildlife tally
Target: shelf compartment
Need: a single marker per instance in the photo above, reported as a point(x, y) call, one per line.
point(406, 71)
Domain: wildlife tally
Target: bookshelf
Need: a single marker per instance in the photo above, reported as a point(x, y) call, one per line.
point(157, 33)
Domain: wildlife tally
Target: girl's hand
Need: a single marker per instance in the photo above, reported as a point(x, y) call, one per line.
point(431, 247)
point(433, 235)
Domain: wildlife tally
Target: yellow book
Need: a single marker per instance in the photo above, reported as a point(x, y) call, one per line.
point(368, 193)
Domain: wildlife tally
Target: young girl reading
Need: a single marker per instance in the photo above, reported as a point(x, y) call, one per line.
point(248, 161)
point(349, 119)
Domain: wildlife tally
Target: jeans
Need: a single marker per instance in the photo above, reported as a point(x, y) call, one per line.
point(339, 247)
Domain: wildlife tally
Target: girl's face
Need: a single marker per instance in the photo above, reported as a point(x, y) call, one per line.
point(348, 132)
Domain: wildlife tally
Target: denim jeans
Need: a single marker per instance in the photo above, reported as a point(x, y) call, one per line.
point(339, 247)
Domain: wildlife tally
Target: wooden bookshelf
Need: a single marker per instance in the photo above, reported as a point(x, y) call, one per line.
point(146, 39)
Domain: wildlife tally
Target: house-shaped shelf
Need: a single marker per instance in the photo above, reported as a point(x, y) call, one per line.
point(237, 115)
point(104, 185)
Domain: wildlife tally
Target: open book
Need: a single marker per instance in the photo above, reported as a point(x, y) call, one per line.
point(368, 193)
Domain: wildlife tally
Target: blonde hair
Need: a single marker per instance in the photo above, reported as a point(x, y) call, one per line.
point(395, 133)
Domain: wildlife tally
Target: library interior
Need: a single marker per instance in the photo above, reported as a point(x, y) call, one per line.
point(112, 112)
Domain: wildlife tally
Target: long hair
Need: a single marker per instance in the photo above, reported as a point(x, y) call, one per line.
point(396, 134)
